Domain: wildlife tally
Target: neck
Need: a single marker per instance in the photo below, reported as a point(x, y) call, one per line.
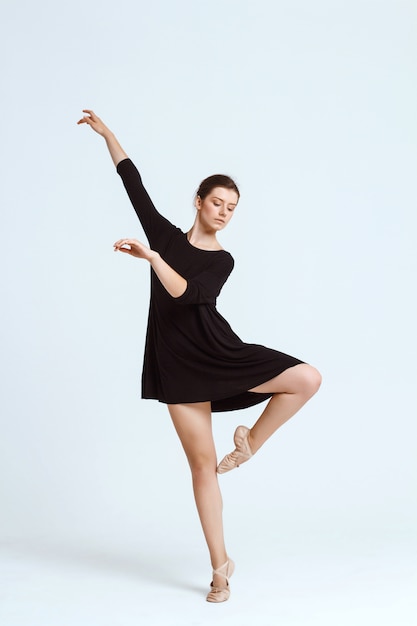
point(202, 238)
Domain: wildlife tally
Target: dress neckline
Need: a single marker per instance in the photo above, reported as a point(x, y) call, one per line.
point(201, 249)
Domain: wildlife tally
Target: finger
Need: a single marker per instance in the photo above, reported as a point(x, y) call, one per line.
point(122, 246)
point(91, 115)
point(86, 120)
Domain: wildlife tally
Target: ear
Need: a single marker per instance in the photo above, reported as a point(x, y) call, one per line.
point(197, 203)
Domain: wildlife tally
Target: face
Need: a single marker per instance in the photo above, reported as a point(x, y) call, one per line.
point(216, 210)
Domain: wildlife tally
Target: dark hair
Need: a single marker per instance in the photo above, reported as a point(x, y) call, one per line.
point(217, 180)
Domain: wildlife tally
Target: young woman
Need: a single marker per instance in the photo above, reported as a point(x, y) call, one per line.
point(193, 360)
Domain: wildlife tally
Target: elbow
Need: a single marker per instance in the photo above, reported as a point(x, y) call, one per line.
point(194, 296)
point(180, 291)
point(183, 295)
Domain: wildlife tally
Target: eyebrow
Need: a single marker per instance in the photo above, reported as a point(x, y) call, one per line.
point(221, 200)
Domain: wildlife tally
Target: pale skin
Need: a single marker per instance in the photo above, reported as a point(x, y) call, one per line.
point(290, 390)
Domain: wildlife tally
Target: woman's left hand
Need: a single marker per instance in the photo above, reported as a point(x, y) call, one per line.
point(134, 248)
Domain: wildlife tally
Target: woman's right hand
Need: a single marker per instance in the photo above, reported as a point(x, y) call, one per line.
point(116, 151)
point(94, 122)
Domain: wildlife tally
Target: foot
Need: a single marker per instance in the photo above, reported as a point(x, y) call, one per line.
point(219, 587)
point(241, 453)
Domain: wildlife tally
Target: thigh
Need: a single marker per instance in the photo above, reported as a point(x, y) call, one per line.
point(292, 380)
point(193, 425)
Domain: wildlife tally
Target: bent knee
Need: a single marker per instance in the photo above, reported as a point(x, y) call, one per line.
point(311, 381)
point(305, 380)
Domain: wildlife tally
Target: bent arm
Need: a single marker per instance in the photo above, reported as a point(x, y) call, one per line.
point(201, 289)
point(173, 282)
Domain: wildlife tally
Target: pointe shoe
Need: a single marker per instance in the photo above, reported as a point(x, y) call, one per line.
point(221, 594)
point(241, 454)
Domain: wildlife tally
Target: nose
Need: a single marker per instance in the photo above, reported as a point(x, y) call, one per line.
point(222, 210)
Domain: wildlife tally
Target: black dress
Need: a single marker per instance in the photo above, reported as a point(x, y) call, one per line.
point(191, 352)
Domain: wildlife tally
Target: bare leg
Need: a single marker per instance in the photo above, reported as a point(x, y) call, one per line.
point(193, 425)
point(291, 389)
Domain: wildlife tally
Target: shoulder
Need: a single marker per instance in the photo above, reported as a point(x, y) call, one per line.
point(228, 258)
point(223, 261)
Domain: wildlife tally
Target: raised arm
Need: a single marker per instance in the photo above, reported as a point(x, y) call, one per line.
point(157, 228)
point(116, 151)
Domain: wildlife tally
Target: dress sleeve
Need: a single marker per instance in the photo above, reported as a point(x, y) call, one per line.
point(206, 286)
point(157, 228)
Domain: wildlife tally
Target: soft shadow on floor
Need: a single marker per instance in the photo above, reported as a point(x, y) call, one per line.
point(160, 569)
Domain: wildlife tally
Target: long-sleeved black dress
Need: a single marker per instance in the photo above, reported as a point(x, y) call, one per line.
point(191, 352)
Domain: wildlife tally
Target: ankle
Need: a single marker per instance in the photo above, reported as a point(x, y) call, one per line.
point(252, 443)
point(218, 562)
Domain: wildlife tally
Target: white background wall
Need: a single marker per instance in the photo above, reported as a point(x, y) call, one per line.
point(311, 107)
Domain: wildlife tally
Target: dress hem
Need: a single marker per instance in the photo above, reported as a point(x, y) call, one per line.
point(240, 400)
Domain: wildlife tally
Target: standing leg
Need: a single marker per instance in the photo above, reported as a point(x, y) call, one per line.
point(193, 425)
